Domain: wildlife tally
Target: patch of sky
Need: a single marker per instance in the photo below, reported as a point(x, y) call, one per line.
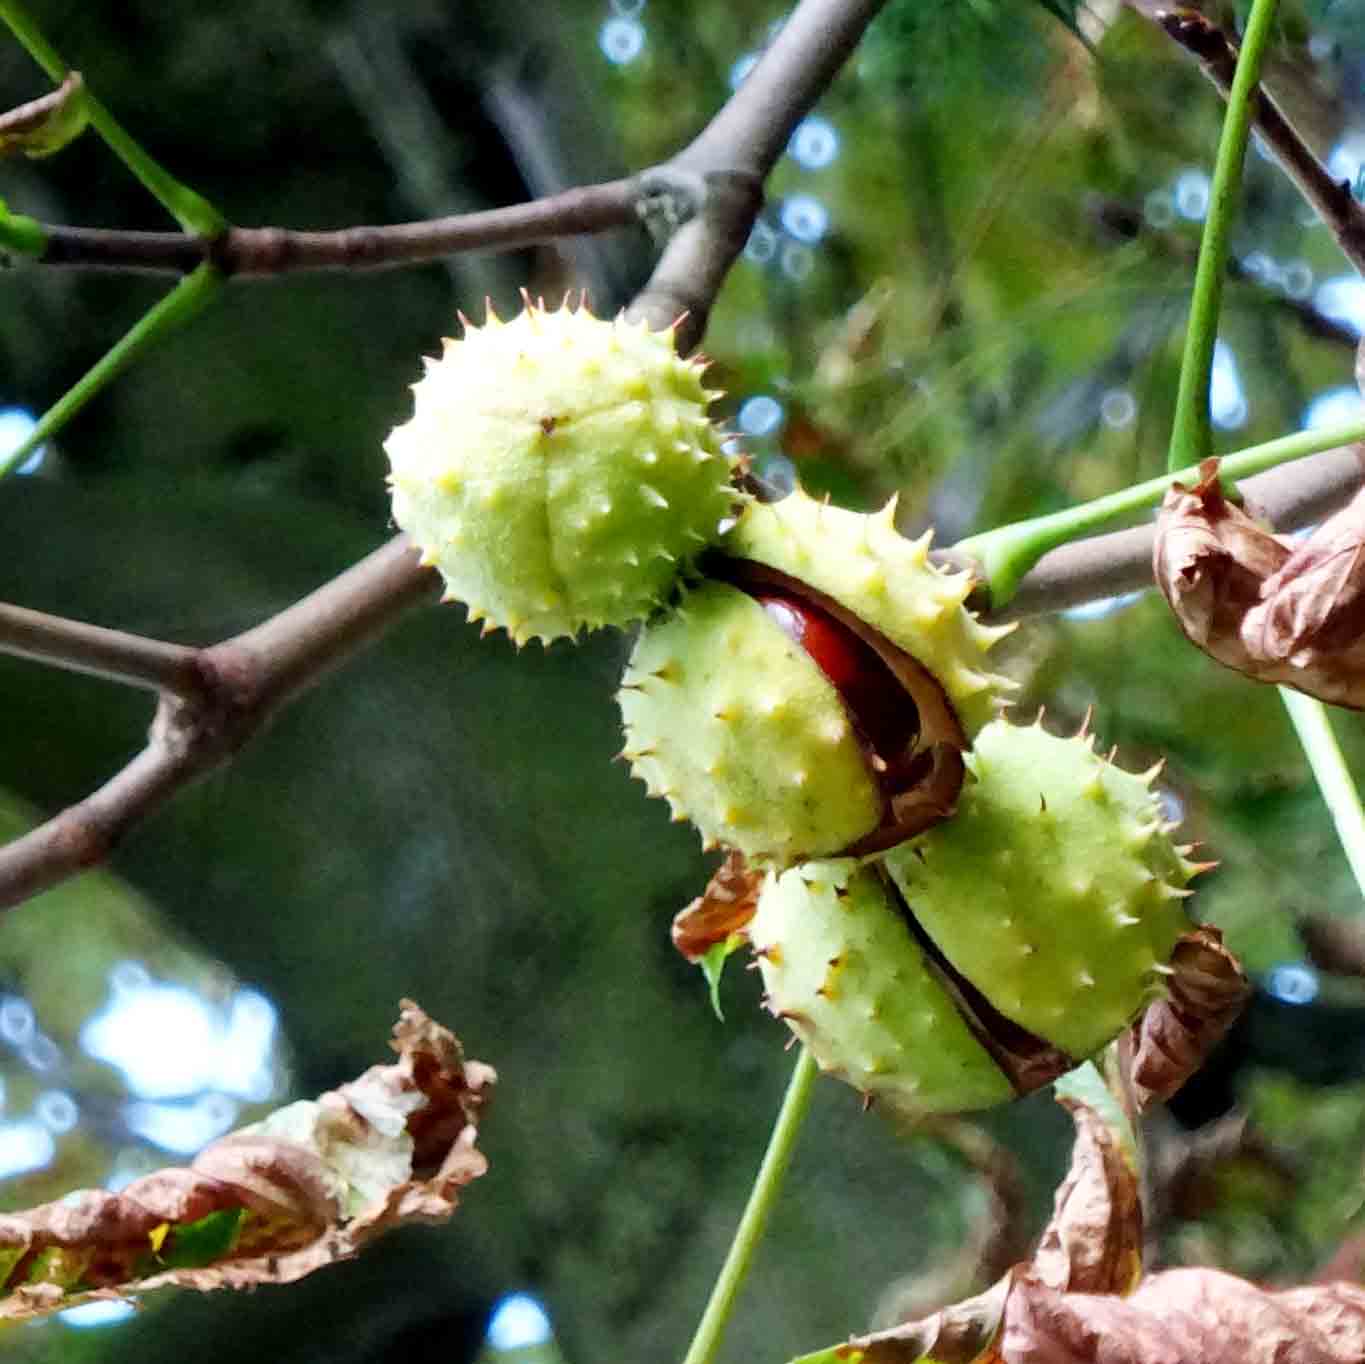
point(1334, 407)
point(25, 1145)
point(94, 1314)
point(1342, 298)
point(170, 1042)
point(16, 425)
point(183, 1128)
point(1347, 159)
point(518, 1321)
point(1227, 397)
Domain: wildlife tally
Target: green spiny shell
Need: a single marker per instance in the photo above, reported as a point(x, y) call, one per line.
point(841, 967)
point(1055, 888)
point(866, 565)
point(739, 728)
point(740, 731)
point(558, 470)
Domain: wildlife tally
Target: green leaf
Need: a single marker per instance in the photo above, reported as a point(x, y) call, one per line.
point(44, 126)
point(713, 967)
point(204, 1242)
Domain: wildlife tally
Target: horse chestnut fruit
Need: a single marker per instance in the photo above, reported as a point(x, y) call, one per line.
point(814, 694)
point(559, 470)
point(991, 953)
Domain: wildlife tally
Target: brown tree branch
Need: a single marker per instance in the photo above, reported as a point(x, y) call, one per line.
point(111, 654)
point(259, 252)
point(734, 153)
point(1333, 201)
point(243, 680)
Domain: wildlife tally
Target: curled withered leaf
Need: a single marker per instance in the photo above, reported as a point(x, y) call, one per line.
point(1293, 615)
point(1181, 1316)
point(1314, 603)
point(310, 1185)
point(1093, 1243)
point(1210, 560)
point(724, 907)
point(961, 1334)
point(1174, 1036)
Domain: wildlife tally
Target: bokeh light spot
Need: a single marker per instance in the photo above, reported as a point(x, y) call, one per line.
point(814, 144)
point(16, 425)
point(518, 1321)
point(805, 218)
point(621, 39)
point(760, 415)
point(1294, 982)
point(94, 1314)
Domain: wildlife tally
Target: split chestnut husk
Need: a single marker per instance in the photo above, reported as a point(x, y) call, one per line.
point(814, 694)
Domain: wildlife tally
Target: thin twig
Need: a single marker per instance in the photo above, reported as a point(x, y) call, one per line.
point(259, 252)
point(240, 683)
point(1331, 199)
point(1289, 497)
point(734, 153)
point(111, 654)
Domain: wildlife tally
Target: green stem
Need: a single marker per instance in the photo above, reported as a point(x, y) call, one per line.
point(182, 303)
point(1334, 780)
point(762, 1197)
point(193, 212)
point(1007, 553)
point(1191, 435)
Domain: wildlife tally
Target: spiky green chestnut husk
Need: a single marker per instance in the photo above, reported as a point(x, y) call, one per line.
point(1056, 887)
point(841, 967)
point(888, 581)
point(1051, 899)
point(559, 470)
point(729, 721)
point(740, 729)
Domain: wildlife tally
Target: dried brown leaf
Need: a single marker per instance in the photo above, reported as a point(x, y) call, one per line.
point(1068, 1306)
point(1185, 1316)
point(311, 1185)
point(724, 907)
point(1174, 1036)
point(1093, 1244)
point(962, 1334)
point(1210, 560)
point(1276, 612)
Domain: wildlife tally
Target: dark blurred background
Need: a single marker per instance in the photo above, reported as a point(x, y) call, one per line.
point(967, 287)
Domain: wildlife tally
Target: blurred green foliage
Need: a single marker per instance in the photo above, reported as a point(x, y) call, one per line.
point(974, 300)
